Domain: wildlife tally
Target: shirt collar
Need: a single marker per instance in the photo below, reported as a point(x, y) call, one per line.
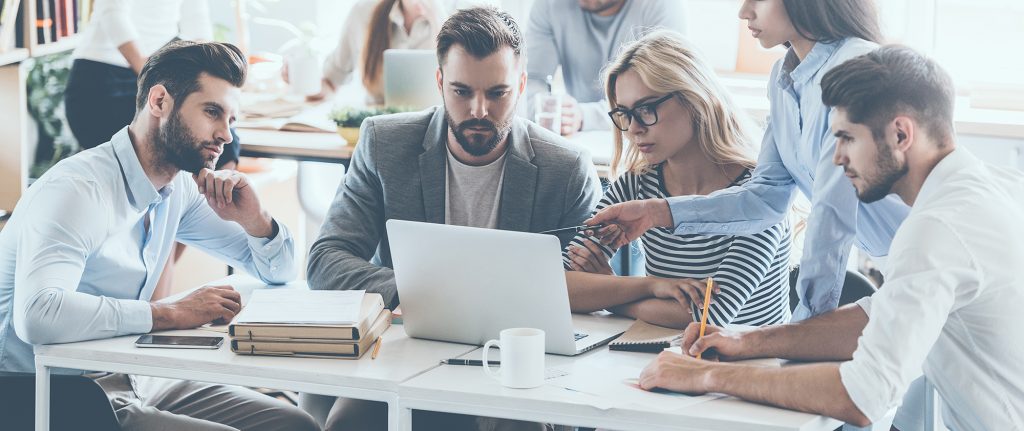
point(954, 162)
point(795, 71)
point(141, 192)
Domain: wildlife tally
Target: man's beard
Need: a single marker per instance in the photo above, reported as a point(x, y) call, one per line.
point(887, 173)
point(477, 144)
point(175, 146)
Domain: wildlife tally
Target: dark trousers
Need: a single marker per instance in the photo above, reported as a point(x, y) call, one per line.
point(100, 100)
point(76, 403)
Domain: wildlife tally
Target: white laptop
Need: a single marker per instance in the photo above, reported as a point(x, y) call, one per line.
point(464, 285)
point(410, 79)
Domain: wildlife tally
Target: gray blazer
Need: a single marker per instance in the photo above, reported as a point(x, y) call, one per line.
point(398, 172)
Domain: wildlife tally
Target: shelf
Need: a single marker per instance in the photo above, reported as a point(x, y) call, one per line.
point(65, 44)
point(13, 56)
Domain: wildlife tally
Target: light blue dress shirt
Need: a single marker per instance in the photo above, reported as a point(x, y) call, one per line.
point(76, 259)
point(797, 154)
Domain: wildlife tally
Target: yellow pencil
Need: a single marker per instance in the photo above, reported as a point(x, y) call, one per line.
point(376, 347)
point(704, 313)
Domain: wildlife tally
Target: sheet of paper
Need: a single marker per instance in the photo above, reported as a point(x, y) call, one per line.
point(324, 307)
point(618, 386)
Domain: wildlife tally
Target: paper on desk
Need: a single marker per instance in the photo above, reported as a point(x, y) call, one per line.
point(324, 307)
point(618, 386)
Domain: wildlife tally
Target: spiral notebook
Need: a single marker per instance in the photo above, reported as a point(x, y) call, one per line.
point(645, 337)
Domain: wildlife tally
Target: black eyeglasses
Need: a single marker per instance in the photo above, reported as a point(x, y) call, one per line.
point(646, 114)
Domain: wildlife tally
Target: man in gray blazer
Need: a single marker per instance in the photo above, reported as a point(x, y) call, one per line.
point(471, 162)
point(409, 166)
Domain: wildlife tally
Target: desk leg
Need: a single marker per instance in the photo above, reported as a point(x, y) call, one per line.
point(42, 397)
point(404, 419)
point(394, 413)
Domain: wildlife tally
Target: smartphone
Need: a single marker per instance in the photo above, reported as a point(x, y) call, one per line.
point(179, 342)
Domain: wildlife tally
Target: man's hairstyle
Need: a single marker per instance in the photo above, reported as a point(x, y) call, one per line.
point(893, 80)
point(178, 65)
point(481, 31)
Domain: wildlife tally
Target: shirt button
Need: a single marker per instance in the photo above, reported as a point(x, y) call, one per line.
point(273, 268)
point(266, 247)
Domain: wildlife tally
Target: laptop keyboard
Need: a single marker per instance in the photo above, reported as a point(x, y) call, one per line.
point(579, 336)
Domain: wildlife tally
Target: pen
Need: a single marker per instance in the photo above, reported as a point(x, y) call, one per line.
point(704, 314)
point(472, 362)
point(376, 347)
point(575, 228)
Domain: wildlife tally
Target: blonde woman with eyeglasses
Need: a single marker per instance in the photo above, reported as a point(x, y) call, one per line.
point(677, 133)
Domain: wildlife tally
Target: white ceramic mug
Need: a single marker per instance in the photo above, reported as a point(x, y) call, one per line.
point(304, 71)
point(522, 358)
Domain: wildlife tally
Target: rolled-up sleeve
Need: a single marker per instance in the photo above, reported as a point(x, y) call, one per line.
point(906, 316)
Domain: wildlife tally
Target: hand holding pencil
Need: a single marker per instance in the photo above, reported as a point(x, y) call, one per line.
point(717, 343)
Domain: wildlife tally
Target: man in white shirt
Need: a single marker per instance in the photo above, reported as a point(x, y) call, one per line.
point(81, 256)
point(952, 296)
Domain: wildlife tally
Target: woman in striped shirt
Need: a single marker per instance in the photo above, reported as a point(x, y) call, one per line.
point(685, 137)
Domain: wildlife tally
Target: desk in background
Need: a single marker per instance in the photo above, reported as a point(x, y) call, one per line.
point(301, 146)
point(331, 148)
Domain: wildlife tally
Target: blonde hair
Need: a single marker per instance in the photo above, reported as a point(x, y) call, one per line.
point(667, 64)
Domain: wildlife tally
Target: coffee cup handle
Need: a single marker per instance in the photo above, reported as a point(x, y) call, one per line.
point(487, 367)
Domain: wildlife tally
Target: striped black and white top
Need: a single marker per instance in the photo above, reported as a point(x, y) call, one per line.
point(752, 271)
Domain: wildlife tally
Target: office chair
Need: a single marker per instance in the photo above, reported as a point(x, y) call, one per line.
point(855, 287)
point(318, 184)
point(76, 403)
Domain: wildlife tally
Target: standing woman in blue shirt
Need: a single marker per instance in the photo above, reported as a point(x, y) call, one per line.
point(796, 154)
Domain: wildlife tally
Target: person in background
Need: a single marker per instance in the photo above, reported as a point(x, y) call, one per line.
point(686, 137)
point(951, 302)
point(102, 86)
point(582, 36)
point(120, 36)
point(471, 162)
point(372, 27)
point(80, 258)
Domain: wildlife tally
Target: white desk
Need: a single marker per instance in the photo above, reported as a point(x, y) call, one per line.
point(302, 146)
point(400, 359)
point(331, 148)
point(467, 390)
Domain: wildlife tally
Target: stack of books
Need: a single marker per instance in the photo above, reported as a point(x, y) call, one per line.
point(313, 324)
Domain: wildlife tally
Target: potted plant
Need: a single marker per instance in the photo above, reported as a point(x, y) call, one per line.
point(349, 119)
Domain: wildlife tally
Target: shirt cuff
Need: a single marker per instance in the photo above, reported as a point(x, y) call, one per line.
point(136, 317)
point(865, 304)
point(269, 246)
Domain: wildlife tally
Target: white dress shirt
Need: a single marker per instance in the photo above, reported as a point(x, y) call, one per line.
point(149, 23)
point(77, 261)
point(952, 301)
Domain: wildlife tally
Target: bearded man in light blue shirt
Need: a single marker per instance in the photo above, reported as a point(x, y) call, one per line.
point(84, 250)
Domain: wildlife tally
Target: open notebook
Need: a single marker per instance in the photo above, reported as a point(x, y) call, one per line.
point(645, 337)
point(287, 115)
